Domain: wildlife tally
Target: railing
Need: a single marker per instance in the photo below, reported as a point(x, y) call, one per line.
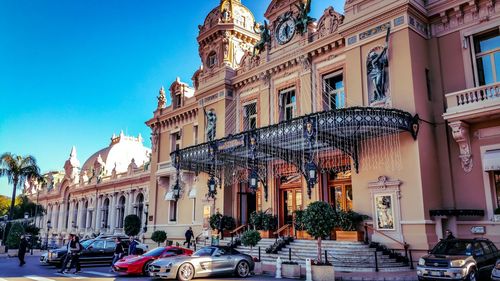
point(282, 229)
point(405, 246)
point(474, 96)
point(236, 231)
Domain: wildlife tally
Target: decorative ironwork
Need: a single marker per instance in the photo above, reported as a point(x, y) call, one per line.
point(301, 142)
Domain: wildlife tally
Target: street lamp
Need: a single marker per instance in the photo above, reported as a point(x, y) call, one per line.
point(212, 187)
point(146, 212)
point(49, 226)
point(254, 180)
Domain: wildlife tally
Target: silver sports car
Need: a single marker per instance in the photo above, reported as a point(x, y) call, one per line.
point(208, 261)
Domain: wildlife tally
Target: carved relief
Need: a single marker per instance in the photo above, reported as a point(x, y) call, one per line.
point(329, 22)
point(460, 132)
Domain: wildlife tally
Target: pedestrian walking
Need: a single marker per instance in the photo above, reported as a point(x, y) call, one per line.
point(75, 250)
point(23, 246)
point(449, 235)
point(188, 235)
point(119, 251)
point(132, 247)
point(67, 259)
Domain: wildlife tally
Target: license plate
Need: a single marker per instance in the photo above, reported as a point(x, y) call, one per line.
point(436, 273)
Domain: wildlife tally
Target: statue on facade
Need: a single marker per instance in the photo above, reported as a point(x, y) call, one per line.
point(211, 124)
point(303, 19)
point(265, 37)
point(376, 67)
point(162, 99)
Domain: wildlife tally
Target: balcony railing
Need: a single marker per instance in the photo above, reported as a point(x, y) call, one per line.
point(479, 98)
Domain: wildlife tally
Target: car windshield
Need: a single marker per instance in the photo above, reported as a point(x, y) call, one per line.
point(155, 252)
point(204, 252)
point(453, 247)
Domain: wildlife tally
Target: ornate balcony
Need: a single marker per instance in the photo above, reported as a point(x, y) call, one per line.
point(473, 103)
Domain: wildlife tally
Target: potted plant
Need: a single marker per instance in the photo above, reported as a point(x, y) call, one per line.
point(318, 222)
point(159, 236)
point(229, 223)
point(348, 222)
point(290, 269)
point(264, 223)
point(299, 225)
point(132, 225)
point(496, 216)
point(251, 238)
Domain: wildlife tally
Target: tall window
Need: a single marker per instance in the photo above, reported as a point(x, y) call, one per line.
point(287, 104)
point(212, 59)
point(487, 53)
point(121, 212)
point(333, 91)
point(177, 100)
point(250, 116)
point(496, 182)
point(195, 134)
point(173, 211)
point(176, 141)
point(105, 213)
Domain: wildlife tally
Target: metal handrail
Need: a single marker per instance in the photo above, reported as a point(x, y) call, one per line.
point(281, 229)
point(404, 244)
point(236, 230)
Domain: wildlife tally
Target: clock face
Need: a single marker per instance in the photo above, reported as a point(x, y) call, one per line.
point(285, 30)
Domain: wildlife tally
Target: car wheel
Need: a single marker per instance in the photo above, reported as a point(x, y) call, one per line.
point(472, 276)
point(186, 272)
point(145, 268)
point(242, 269)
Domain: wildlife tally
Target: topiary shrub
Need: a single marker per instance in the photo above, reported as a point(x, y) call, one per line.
point(348, 220)
point(14, 236)
point(250, 238)
point(319, 222)
point(214, 220)
point(132, 225)
point(228, 222)
point(263, 221)
point(159, 236)
point(298, 221)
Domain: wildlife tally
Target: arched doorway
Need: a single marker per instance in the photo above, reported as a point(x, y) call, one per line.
point(121, 212)
point(105, 213)
point(139, 208)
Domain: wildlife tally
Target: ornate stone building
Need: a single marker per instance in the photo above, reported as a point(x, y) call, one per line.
point(94, 198)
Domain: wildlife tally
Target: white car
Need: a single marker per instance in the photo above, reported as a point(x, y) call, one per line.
point(495, 273)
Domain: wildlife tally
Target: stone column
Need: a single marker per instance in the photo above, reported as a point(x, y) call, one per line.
point(70, 216)
point(78, 221)
point(129, 204)
point(97, 213)
point(61, 215)
point(112, 212)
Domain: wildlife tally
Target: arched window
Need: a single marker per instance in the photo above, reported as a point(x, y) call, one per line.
point(139, 209)
point(75, 217)
point(105, 213)
point(121, 212)
point(212, 59)
point(83, 219)
point(67, 215)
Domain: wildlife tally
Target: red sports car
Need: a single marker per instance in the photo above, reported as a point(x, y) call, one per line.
point(140, 264)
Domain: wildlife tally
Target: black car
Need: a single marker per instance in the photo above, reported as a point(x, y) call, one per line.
point(98, 250)
point(459, 259)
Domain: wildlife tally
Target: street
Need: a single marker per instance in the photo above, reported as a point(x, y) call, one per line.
point(32, 270)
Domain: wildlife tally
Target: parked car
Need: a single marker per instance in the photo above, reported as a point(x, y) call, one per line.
point(95, 251)
point(208, 261)
point(459, 259)
point(495, 273)
point(140, 264)
point(44, 258)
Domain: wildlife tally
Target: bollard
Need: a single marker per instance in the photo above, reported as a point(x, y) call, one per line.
point(290, 254)
point(259, 254)
point(278, 268)
point(308, 270)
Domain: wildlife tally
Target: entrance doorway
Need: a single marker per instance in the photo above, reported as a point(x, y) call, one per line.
point(340, 191)
point(290, 199)
point(247, 202)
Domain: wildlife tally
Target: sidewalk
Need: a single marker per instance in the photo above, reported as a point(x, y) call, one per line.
point(377, 276)
point(13, 253)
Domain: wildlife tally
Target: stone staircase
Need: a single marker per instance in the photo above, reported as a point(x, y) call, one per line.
point(345, 256)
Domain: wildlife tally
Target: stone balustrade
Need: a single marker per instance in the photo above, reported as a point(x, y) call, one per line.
point(473, 99)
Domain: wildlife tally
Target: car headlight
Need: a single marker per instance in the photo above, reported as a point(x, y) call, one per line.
point(457, 263)
point(497, 265)
point(169, 265)
point(421, 261)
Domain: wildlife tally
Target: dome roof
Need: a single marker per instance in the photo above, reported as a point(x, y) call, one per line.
point(227, 11)
point(120, 152)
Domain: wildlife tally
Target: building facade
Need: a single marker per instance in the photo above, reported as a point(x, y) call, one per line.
point(94, 198)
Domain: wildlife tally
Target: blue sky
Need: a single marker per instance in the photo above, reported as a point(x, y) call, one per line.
point(75, 72)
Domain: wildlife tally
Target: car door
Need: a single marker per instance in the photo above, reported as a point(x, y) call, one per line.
point(109, 251)
point(480, 257)
point(222, 261)
point(490, 257)
point(94, 252)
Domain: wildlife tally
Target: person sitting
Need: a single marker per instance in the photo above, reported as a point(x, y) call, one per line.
point(448, 235)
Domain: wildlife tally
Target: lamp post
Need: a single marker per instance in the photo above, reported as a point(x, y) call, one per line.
point(6, 221)
point(49, 226)
point(212, 187)
point(146, 209)
point(254, 180)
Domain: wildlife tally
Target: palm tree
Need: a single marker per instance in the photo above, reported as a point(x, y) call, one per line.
point(18, 169)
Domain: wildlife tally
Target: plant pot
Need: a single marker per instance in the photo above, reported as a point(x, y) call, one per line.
point(258, 268)
point(290, 270)
point(302, 234)
point(265, 233)
point(496, 218)
point(349, 235)
point(322, 272)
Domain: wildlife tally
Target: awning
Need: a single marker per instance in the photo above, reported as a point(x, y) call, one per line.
point(491, 160)
point(169, 196)
point(192, 194)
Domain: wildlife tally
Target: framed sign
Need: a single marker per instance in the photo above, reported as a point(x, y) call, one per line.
point(384, 211)
point(478, 230)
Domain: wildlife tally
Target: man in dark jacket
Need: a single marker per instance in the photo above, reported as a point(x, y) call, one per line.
point(119, 251)
point(132, 247)
point(188, 235)
point(23, 246)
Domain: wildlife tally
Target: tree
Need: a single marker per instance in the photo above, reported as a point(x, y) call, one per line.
point(319, 221)
point(18, 169)
point(250, 238)
point(14, 236)
point(4, 205)
point(159, 236)
point(132, 225)
point(25, 205)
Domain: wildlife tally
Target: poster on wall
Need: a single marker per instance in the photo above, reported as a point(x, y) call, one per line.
point(384, 212)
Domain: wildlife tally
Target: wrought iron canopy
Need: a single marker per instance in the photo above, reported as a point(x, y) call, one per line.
point(341, 129)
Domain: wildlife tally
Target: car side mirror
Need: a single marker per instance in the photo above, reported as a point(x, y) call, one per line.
point(90, 248)
point(216, 255)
